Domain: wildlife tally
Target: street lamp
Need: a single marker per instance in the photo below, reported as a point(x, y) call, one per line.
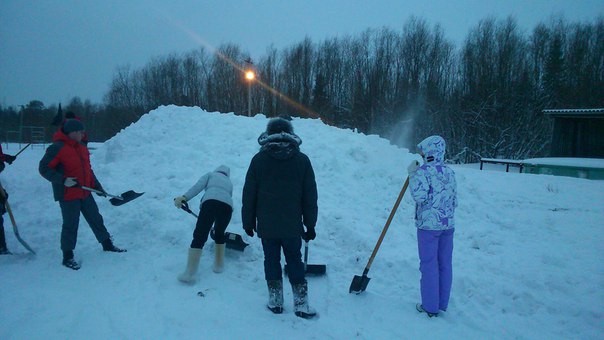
point(250, 76)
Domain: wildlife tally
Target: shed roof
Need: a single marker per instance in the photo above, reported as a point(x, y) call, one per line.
point(598, 112)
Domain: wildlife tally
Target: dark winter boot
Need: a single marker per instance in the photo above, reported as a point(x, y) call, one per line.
point(108, 246)
point(421, 309)
point(301, 307)
point(68, 260)
point(275, 296)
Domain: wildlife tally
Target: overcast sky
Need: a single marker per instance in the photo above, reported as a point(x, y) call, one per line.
point(54, 50)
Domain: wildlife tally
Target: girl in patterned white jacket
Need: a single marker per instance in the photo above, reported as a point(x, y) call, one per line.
point(434, 190)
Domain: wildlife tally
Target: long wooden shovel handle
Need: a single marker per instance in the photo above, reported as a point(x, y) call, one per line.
point(12, 220)
point(7, 206)
point(10, 213)
point(379, 242)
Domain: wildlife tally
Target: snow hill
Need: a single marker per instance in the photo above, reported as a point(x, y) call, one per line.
point(527, 260)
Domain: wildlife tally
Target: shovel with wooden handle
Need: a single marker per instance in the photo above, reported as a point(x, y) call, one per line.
point(359, 283)
point(12, 220)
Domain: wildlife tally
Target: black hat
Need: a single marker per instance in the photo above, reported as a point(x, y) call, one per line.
point(72, 125)
point(278, 125)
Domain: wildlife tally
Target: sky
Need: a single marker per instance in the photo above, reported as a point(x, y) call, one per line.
point(527, 260)
point(54, 50)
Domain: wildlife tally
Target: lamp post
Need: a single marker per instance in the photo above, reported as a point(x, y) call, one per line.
point(250, 76)
point(21, 114)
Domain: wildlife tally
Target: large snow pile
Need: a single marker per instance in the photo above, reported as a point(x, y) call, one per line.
point(527, 260)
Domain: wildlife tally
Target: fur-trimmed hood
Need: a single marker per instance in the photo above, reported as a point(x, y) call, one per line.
point(279, 139)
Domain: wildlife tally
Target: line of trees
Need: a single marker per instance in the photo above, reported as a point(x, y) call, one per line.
point(101, 123)
point(485, 97)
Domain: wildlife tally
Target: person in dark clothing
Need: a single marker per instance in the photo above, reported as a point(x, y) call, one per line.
point(5, 158)
point(59, 121)
point(8, 159)
point(3, 248)
point(279, 199)
point(66, 164)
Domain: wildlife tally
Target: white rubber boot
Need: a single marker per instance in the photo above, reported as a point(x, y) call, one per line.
point(192, 263)
point(219, 259)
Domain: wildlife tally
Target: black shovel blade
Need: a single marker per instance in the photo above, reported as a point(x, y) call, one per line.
point(235, 241)
point(311, 269)
point(359, 284)
point(316, 269)
point(126, 197)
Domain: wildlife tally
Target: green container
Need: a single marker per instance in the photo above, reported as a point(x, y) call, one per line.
point(580, 168)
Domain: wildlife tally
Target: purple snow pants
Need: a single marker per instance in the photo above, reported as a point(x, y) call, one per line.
point(435, 256)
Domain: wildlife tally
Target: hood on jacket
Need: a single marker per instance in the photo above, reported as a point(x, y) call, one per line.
point(279, 129)
point(223, 169)
point(433, 149)
point(279, 139)
point(278, 125)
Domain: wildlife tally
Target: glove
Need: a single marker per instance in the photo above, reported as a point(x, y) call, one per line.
point(310, 234)
point(178, 201)
point(249, 232)
point(9, 159)
point(412, 168)
point(70, 182)
point(3, 198)
point(99, 187)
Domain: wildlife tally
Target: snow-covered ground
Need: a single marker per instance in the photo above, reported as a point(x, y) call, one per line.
point(527, 261)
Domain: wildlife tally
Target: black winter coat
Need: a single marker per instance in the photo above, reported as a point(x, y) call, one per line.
point(280, 192)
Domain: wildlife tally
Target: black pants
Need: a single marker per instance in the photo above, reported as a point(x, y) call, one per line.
point(293, 257)
point(214, 213)
point(2, 237)
point(71, 219)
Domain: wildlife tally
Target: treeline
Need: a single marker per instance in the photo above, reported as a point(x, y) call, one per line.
point(100, 122)
point(484, 97)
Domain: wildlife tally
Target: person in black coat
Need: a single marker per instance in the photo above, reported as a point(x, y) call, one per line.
point(3, 196)
point(279, 200)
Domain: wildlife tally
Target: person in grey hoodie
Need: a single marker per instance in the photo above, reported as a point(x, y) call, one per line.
point(215, 210)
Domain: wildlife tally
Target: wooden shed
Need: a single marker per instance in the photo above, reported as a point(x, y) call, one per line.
point(577, 133)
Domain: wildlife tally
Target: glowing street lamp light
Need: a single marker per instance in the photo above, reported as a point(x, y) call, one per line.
point(250, 76)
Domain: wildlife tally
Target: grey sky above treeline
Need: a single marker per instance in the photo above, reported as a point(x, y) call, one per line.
point(55, 50)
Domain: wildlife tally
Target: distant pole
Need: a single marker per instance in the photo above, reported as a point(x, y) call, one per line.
point(249, 98)
point(249, 76)
point(22, 113)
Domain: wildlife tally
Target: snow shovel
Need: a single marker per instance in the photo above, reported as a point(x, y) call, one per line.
point(359, 283)
point(233, 241)
point(22, 149)
point(117, 200)
point(310, 269)
point(12, 220)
